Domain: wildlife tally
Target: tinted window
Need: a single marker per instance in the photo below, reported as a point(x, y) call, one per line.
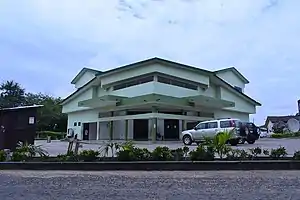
point(202, 126)
point(133, 82)
point(75, 123)
point(229, 123)
point(213, 125)
point(79, 123)
point(176, 83)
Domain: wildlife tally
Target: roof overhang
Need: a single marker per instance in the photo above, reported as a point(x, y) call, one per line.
point(236, 72)
point(103, 101)
point(113, 102)
point(84, 70)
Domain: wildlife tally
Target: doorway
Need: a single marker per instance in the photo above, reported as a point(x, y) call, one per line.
point(140, 129)
point(86, 131)
point(171, 129)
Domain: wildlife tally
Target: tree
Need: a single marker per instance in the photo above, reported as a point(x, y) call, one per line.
point(50, 117)
point(11, 94)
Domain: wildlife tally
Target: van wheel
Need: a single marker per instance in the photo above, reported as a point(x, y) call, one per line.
point(233, 142)
point(187, 140)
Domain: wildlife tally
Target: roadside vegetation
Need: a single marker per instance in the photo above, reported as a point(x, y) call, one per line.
point(213, 149)
point(286, 135)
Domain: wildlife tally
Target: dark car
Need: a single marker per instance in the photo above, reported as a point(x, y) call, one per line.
point(250, 130)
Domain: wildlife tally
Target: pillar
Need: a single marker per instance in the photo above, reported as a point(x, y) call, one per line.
point(111, 127)
point(126, 129)
point(153, 126)
point(98, 130)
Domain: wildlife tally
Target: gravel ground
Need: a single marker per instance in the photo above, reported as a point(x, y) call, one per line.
point(57, 147)
point(53, 185)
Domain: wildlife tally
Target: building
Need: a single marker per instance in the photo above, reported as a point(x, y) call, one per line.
point(17, 124)
point(152, 98)
point(271, 120)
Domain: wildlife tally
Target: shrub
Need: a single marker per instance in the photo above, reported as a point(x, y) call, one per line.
point(88, 155)
point(202, 153)
point(278, 153)
point(296, 155)
point(282, 135)
point(180, 153)
point(128, 152)
point(25, 151)
point(69, 157)
point(237, 154)
point(218, 143)
point(52, 134)
point(2, 156)
point(162, 153)
point(256, 151)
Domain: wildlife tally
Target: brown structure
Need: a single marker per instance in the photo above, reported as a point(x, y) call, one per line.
point(17, 124)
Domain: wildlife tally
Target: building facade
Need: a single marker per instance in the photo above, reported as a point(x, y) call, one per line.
point(153, 99)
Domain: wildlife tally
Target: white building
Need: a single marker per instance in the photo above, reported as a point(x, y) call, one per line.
point(153, 97)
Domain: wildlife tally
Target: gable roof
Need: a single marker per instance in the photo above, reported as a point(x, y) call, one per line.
point(84, 70)
point(165, 62)
point(236, 72)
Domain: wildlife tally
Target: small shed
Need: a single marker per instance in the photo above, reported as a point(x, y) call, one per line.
point(17, 124)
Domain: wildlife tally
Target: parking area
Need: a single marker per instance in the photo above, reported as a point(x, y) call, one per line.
point(57, 147)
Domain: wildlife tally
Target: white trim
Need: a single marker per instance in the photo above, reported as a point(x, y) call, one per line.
point(153, 115)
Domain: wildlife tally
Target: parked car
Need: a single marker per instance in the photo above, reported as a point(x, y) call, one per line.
point(241, 131)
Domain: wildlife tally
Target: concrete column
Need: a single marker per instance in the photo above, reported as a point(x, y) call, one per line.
point(126, 129)
point(153, 126)
point(111, 128)
point(98, 130)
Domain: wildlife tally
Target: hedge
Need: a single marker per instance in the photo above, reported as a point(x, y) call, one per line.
point(285, 135)
point(52, 134)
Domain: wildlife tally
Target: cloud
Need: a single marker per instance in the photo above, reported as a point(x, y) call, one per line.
point(44, 43)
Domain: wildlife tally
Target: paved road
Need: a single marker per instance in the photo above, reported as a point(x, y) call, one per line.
point(264, 185)
point(57, 147)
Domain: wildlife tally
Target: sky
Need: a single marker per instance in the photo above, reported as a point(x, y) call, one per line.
point(45, 43)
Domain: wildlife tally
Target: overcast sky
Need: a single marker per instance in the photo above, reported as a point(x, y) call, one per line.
point(45, 43)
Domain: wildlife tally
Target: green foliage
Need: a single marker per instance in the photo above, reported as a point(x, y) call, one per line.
point(237, 154)
point(285, 135)
point(202, 153)
point(278, 153)
point(162, 153)
point(11, 94)
point(2, 156)
point(53, 135)
point(256, 151)
point(25, 151)
point(218, 143)
point(69, 157)
point(296, 155)
point(128, 152)
point(50, 117)
point(88, 155)
point(180, 153)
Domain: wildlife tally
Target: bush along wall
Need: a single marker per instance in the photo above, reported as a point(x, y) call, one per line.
point(43, 135)
point(285, 135)
point(214, 149)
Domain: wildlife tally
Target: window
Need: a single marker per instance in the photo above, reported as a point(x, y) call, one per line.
point(213, 125)
point(131, 83)
point(229, 123)
point(238, 88)
point(202, 126)
point(79, 123)
point(206, 114)
point(176, 83)
point(75, 123)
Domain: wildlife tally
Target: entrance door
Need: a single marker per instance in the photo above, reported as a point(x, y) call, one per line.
point(86, 131)
point(140, 129)
point(171, 129)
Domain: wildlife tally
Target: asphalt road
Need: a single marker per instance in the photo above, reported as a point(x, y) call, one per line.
point(246, 185)
point(292, 145)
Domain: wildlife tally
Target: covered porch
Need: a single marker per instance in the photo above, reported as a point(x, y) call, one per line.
point(149, 116)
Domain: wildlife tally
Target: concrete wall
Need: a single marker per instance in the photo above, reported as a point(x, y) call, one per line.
point(241, 105)
point(231, 78)
point(165, 69)
point(85, 78)
point(72, 105)
point(231, 114)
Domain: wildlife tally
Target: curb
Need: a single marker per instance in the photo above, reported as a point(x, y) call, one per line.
point(155, 165)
